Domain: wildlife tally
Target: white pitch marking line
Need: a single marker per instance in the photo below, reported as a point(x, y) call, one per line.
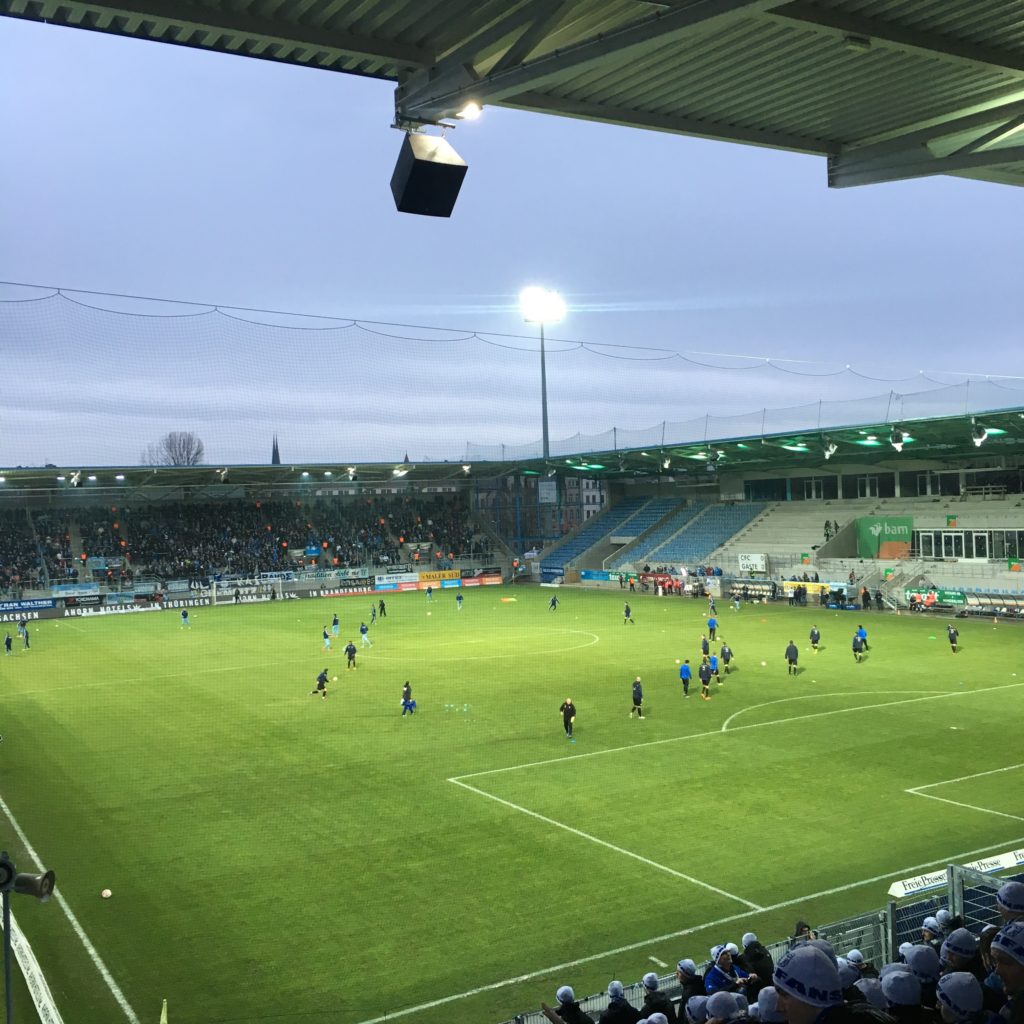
point(964, 778)
point(115, 989)
point(816, 696)
point(716, 732)
point(560, 968)
point(969, 807)
point(608, 846)
point(654, 959)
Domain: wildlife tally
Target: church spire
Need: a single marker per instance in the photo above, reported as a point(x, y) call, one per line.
point(275, 455)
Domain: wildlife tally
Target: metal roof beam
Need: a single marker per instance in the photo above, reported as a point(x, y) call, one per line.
point(193, 17)
point(534, 35)
point(929, 44)
point(443, 90)
point(956, 124)
point(913, 163)
point(544, 103)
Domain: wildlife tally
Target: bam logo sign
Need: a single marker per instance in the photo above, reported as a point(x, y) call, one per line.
point(887, 537)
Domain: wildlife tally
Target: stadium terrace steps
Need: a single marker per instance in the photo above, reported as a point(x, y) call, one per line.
point(629, 532)
point(592, 531)
point(786, 530)
point(705, 533)
point(639, 551)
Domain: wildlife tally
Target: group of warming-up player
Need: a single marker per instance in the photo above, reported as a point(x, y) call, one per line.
point(711, 665)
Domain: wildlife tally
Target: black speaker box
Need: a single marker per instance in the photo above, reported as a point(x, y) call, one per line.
point(428, 176)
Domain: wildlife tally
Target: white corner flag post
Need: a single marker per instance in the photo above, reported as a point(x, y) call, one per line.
point(163, 1013)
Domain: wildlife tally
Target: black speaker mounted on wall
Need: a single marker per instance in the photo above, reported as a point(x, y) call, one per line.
point(428, 176)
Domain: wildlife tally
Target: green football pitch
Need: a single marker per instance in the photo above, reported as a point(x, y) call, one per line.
point(278, 857)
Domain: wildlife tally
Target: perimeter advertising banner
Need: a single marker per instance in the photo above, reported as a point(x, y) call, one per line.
point(884, 536)
point(930, 597)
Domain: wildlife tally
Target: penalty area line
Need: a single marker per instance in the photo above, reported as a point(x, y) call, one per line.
point(115, 989)
point(608, 846)
point(569, 964)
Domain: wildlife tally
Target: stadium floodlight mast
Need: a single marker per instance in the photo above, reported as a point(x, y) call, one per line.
point(542, 306)
point(40, 886)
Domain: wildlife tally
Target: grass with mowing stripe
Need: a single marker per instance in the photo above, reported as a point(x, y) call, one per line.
point(275, 856)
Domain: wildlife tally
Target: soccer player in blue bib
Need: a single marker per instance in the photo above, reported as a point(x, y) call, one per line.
point(712, 626)
point(364, 635)
point(327, 640)
point(685, 675)
point(335, 625)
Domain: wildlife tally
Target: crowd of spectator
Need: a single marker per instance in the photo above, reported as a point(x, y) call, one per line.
point(950, 975)
point(242, 537)
point(441, 522)
point(20, 562)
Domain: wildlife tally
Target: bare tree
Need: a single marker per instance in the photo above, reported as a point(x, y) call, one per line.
point(178, 448)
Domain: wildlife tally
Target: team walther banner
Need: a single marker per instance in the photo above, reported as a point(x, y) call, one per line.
point(884, 536)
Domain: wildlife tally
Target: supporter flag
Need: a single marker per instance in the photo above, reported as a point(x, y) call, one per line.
point(805, 557)
point(950, 520)
point(1013, 565)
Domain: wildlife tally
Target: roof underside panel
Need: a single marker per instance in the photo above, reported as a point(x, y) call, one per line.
point(835, 77)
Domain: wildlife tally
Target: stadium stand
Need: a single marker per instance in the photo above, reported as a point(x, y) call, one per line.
point(707, 531)
point(20, 564)
point(785, 530)
point(639, 552)
point(241, 537)
point(592, 531)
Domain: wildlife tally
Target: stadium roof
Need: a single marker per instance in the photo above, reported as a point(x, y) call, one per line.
point(886, 89)
point(940, 443)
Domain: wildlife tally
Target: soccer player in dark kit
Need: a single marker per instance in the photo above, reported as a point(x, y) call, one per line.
point(321, 685)
point(792, 656)
point(568, 713)
point(638, 699)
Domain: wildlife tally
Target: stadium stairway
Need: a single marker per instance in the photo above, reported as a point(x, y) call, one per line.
point(706, 532)
point(590, 533)
point(639, 551)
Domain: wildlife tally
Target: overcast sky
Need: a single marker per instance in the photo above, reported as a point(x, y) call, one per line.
point(147, 169)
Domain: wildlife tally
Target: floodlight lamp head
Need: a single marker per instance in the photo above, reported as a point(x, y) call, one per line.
point(830, 448)
point(666, 463)
point(541, 305)
point(896, 439)
point(978, 434)
point(467, 468)
point(470, 112)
